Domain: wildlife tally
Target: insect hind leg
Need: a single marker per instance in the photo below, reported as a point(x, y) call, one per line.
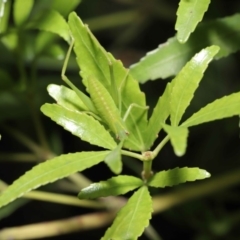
point(130, 108)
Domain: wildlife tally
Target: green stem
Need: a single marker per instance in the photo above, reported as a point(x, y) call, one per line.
point(34, 110)
point(59, 198)
point(64, 199)
point(19, 157)
point(20, 63)
point(160, 146)
point(112, 20)
point(147, 170)
point(30, 144)
point(132, 154)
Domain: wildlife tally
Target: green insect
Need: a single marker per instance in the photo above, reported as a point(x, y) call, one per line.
point(107, 108)
point(85, 99)
point(102, 105)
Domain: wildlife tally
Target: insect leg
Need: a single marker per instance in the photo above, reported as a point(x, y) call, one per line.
point(85, 99)
point(130, 108)
point(114, 89)
point(120, 91)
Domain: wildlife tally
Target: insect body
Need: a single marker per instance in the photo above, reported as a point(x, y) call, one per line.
point(106, 108)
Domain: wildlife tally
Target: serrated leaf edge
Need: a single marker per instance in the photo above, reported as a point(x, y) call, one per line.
point(112, 178)
point(45, 182)
point(93, 119)
point(198, 178)
point(194, 27)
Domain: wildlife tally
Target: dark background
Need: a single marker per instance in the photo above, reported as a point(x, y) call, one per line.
point(213, 146)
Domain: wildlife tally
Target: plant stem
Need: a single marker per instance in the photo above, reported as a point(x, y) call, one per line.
point(40, 131)
point(147, 170)
point(57, 228)
point(23, 139)
point(19, 157)
point(64, 199)
point(160, 146)
point(132, 154)
point(111, 20)
point(59, 198)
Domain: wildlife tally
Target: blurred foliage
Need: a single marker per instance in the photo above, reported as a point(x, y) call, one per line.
point(31, 59)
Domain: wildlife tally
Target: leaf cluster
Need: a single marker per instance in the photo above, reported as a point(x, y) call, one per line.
point(111, 112)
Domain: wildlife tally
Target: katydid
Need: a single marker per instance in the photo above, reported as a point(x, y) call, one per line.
point(85, 99)
point(101, 103)
point(106, 108)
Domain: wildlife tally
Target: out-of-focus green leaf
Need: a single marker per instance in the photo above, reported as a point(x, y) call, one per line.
point(189, 13)
point(66, 98)
point(51, 21)
point(64, 7)
point(55, 51)
point(42, 40)
point(12, 207)
point(187, 81)
point(178, 137)
point(225, 107)
point(10, 40)
point(5, 7)
point(50, 171)
point(176, 176)
point(93, 60)
point(21, 10)
point(159, 116)
point(112, 187)
point(170, 57)
point(80, 124)
point(114, 160)
point(133, 218)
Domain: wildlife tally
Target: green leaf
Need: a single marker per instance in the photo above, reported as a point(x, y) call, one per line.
point(51, 21)
point(112, 187)
point(225, 107)
point(12, 207)
point(178, 137)
point(94, 61)
point(159, 116)
point(66, 98)
point(133, 218)
point(50, 171)
point(5, 8)
point(114, 159)
point(189, 13)
point(107, 109)
point(64, 7)
point(21, 10)
point(55, 51)
point(187, 81)
point(80, 125)
point(176, 176)
point(170, 57)
point(10, 40)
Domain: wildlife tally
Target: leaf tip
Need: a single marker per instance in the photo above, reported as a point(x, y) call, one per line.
point(182, 39)
point(207, 174)
point(204, 174)
point(179, 153)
